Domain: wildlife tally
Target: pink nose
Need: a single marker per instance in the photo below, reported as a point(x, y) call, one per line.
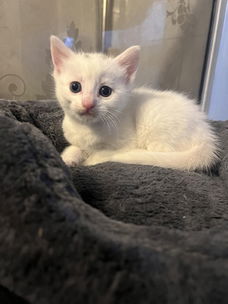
point(88, 103)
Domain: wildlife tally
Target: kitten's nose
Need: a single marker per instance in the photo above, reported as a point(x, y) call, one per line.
point(88, 103)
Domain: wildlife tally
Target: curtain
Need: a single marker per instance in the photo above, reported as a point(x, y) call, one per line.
point(172, 34)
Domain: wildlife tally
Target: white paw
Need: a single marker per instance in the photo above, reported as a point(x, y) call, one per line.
point(69, 161)
point(72, 156)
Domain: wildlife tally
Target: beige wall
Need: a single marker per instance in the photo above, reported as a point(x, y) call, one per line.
point(172, 34)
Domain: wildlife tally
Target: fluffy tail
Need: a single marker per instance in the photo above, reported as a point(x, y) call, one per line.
point(198, 157)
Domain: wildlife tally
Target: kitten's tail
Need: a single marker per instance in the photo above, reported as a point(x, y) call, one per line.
point(198, 157)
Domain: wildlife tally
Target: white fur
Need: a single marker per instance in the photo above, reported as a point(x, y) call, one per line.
point(139, 126)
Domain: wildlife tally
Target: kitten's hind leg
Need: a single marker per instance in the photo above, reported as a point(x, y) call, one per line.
point(184, 160)
point(98, 157)
point(102, 156)
point(72, 156)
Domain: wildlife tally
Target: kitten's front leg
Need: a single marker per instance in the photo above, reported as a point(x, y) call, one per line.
point(72, 156)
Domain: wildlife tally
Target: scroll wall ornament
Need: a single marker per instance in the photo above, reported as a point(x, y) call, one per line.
point(72, 41)
point(181, 15)
point(15, 85)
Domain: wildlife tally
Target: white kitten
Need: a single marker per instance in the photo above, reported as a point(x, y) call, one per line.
point(106, 120)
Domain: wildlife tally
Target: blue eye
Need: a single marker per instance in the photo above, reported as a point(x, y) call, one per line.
point(75, 87)
point(105, 91)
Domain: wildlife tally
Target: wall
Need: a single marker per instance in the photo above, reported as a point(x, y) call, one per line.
point(215, 97)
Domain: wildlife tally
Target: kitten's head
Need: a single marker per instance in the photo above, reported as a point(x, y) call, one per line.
point(91, 86)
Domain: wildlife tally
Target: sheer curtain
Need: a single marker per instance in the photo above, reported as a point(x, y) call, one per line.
point(25, 28)
point(173, 36)
point(172, 33)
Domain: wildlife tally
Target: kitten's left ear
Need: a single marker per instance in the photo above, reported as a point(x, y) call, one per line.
point(129, 60)
point(59, 53)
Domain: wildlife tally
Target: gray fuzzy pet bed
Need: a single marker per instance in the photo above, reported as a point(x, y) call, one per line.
point(106, 234)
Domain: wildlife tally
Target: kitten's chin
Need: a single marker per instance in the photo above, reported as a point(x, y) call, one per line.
point(88, 118)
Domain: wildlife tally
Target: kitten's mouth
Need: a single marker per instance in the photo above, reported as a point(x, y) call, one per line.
point(87, 113)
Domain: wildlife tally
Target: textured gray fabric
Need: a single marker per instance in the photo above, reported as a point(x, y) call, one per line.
point(110, 233)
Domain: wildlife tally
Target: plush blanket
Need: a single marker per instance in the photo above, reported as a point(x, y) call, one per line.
point(106, 234)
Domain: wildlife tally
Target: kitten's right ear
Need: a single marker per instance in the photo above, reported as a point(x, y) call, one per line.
point(59, 52)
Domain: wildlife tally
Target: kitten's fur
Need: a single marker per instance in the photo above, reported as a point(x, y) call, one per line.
point(139, 126)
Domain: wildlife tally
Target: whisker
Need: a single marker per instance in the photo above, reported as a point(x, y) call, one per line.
point(112, 119)
point(109, 118)
point(106, 123)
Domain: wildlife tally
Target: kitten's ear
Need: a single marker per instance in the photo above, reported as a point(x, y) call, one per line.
point(59, 52)
point(129, 60)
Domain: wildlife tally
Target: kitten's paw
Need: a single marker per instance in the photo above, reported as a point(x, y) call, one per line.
point(69, 161)
point(72, 156)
